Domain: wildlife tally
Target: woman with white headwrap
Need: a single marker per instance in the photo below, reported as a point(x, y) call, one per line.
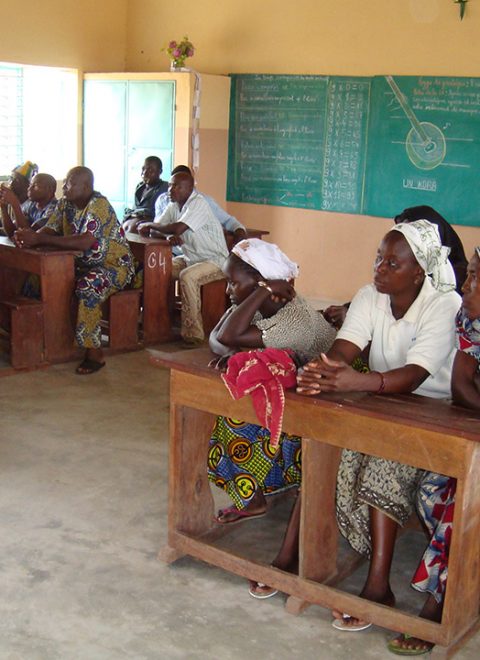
point(265, 313)
point(407, 317)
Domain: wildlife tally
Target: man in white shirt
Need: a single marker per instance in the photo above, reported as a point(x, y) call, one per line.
point(228, 222)
point(189, 218)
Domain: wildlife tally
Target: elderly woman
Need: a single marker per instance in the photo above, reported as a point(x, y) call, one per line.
point(265, 313)
point(407, 318)
point(436, 497)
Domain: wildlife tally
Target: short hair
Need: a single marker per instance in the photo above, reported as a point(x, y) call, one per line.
point(181, 168)
point(48, 180)
point(156, 160)
point(85, 173)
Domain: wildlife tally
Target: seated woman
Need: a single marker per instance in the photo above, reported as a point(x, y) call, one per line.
point(335, 314)
point(265, 312)
point(436, 497)
point(407, 318)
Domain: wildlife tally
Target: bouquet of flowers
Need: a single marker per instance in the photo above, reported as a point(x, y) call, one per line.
point(178, 52)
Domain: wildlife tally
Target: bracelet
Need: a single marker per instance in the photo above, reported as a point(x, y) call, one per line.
point(266, 286)
point(382, 383)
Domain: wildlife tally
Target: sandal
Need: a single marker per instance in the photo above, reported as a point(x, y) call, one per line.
point(88, 367)
point(398, 650)
point(241, 514)
point(344, 625)
point(264, 591)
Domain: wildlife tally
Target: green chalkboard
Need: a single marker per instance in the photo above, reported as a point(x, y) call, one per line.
point(298, 141)
point(424, 146)
point(356, 145)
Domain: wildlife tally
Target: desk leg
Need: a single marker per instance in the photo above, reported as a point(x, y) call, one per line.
point(190, 501)
point(318, 524)
point(57, 289)
point(157, 276)
point(460, 614)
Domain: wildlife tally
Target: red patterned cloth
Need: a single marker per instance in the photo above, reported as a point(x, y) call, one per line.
point(263, 373)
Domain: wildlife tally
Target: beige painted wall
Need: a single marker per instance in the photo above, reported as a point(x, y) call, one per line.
point(88, 35)
point(335, 251)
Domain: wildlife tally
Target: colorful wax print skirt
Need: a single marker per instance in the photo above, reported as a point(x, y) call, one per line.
point(241, 460)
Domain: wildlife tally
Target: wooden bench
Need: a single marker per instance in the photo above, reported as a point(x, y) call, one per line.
point(214, 304)
point(23, 320)
point(121, 315)
point(427, 433)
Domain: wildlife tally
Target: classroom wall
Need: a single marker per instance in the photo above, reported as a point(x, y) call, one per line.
point(335, 251)
point(86, 34)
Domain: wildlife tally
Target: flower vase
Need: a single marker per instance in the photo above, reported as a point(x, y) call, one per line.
point(176, 66)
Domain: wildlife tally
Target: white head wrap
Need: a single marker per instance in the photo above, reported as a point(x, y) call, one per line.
point(267, 258)
point(424, 240)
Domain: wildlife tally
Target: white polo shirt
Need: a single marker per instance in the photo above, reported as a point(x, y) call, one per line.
point(204, 240)
point(424, 336)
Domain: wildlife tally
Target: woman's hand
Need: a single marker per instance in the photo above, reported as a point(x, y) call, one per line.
point(283, 290)
point(325, 375)
point(26, 238)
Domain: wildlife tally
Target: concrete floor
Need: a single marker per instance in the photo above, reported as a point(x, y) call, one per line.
point(83, 513)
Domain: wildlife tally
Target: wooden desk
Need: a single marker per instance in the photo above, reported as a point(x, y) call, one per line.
point(56, 271)
point(423, 432)
point(156, 256)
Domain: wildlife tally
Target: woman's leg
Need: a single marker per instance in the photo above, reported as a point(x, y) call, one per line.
point(383, 532)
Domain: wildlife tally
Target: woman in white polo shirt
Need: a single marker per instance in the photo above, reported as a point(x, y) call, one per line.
point(407, 317)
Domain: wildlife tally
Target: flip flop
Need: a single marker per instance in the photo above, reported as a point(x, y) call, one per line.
point(88, 367)
point(261, 596)
point(341, 624)
point(399, 651)
point(242, 514)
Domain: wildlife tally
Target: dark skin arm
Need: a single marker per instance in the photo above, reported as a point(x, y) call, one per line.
point(333, 373)
point(7, 197)
point(154, 229)
point(465, 390)
point(47, 237)
point(237, 329)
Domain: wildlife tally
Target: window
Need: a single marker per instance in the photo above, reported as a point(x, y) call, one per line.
point(38, 118)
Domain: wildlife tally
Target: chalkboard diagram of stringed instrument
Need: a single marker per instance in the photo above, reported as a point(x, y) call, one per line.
point(425, 143)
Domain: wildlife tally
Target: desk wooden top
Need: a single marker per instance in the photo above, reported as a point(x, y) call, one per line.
point(407, 409)
point(7, 245)
point(144, 240)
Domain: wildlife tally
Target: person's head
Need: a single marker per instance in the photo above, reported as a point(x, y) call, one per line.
point(252, 260)
point(396, 270)
point(151, 170)
point(42, 188)
point(78, 186)
point(181, 168)
point(180, 187)
point(419, 253)
point(20, 179)
point(471, 287)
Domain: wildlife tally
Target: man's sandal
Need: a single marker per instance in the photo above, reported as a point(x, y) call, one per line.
point(398, 650)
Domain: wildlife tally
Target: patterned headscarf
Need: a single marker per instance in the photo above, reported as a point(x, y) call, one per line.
point(27, 169)
point(267, 258)
point(424, 241)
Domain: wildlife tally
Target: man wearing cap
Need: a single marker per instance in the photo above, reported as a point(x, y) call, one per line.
point(19, 182)
point(34, 212)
